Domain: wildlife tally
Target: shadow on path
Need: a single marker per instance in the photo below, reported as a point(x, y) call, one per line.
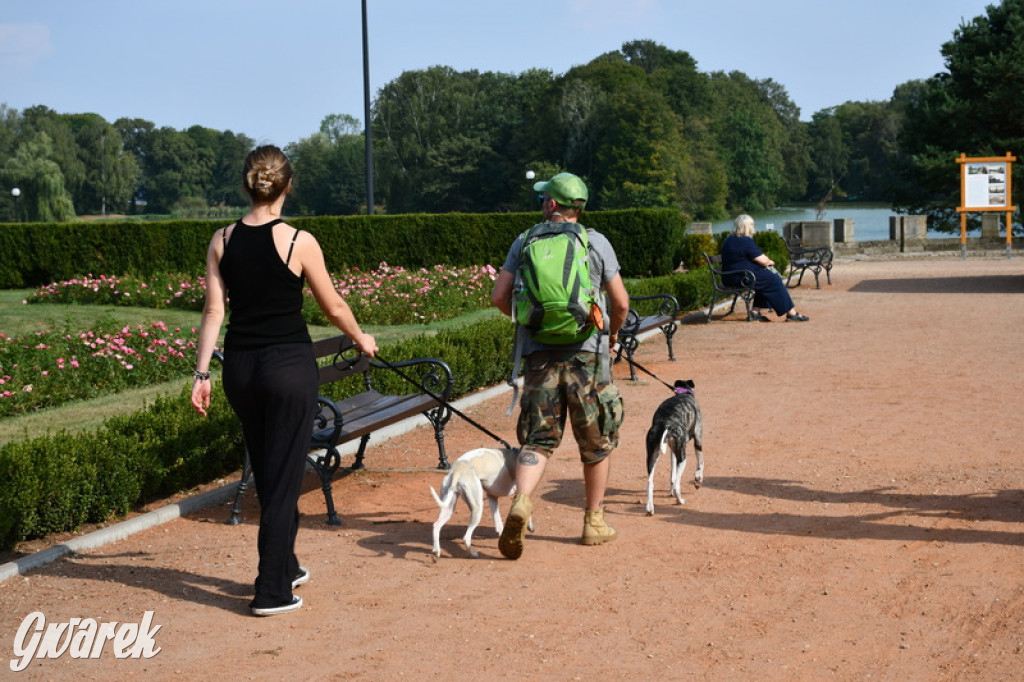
point(991, 284)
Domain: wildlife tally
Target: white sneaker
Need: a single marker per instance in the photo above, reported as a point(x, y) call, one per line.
point(294, 605)
point(301, 578)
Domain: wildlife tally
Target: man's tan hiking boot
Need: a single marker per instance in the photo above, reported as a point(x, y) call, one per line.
point(510, 544)
point(595, 530)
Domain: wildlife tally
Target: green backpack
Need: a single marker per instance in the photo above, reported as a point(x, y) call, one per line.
point(554, 298)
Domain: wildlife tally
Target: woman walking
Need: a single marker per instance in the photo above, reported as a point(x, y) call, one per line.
point(261, 264)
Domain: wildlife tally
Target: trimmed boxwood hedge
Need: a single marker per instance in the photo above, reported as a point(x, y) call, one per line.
point(646, 241)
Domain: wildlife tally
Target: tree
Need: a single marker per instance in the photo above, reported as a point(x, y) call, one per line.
point(830, 155)
point(974, 107)
point(63, 146)
point(136, 137)
point(329, 169)
point(751, 139)
point(221, 183)
point(33, 170)
point(111, 172)
point(443, 138)
point(628, 122)
point(175, 167)
point(415, 118)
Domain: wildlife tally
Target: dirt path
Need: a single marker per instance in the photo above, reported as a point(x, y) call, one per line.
point(861, 518)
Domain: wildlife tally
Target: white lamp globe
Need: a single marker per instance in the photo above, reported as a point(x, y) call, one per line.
point(15, 192)
point(530, 175)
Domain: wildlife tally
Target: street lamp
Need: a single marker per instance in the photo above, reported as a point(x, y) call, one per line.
point(16, 193)
point(366, 115)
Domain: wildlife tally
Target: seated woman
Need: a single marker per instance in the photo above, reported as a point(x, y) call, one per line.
point(740, 252)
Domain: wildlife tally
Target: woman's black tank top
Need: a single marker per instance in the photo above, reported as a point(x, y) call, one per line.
point(264, 296)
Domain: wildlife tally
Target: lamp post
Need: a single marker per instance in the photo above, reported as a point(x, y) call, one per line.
point(16, 193)
point(366, 116)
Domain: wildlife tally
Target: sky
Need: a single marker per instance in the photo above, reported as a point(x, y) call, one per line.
point(274, 70)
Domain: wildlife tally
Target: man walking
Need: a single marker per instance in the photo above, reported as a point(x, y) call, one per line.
point(566, 380)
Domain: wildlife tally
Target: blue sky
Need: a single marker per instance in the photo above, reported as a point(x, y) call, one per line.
point(273, 70)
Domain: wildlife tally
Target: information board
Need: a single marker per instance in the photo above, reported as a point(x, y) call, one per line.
point(985, 186)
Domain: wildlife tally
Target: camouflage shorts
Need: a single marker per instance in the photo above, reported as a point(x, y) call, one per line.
point(560, 384)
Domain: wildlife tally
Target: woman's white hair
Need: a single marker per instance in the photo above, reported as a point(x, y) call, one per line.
point(743, 226)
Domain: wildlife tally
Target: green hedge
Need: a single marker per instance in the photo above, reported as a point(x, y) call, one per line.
point(691, 289)
point(56, 483)
point(39, 253)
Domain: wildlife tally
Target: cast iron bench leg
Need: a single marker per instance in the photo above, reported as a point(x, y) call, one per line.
point(670, 331)
point(243, 484)
point(358, 462)
point(630, 344)
point(326, 465)
point(438, 418)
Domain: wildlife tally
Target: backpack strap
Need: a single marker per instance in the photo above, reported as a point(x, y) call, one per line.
point(517, 357)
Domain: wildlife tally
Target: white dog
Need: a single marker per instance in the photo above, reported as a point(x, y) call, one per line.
point(484, 470)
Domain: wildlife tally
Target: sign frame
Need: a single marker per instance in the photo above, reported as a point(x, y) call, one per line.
point(986, 185)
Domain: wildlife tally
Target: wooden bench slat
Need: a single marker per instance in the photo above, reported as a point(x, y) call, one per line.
point(664, 318)
point(357, 416)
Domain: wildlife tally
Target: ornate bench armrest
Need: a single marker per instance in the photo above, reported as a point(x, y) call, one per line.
point(746, 278)
point(327, 423)
point(431, 375)
point(667, 303)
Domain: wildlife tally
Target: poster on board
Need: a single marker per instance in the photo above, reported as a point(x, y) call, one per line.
point(985, 185)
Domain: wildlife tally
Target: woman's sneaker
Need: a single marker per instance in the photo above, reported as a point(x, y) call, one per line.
point(294, 605)
point(301, 577)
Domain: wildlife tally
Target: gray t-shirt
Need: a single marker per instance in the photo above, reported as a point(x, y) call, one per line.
point(604, 265)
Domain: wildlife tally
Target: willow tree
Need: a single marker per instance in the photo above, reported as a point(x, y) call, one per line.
point(43, 195)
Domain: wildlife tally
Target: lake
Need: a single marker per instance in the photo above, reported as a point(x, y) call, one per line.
point(870, 220)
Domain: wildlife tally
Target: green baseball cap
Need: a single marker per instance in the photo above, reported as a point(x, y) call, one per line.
point(565, 188)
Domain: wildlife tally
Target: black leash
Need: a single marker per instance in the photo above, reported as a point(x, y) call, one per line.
point(647, 371)
point(442, 401)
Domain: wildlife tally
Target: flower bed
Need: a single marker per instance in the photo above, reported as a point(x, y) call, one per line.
point(387, 295)
point(45, 369)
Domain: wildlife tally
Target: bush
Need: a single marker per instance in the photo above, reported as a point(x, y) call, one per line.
point(692, 246)
point(692, 289)
point(774, 246)
point(57, 482)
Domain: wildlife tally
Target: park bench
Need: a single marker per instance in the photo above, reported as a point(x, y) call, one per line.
point(661, 311)
point(720, 290)
point(335, 423)
point(803, 259)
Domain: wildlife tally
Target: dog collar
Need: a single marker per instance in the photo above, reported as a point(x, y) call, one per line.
point(680, 389)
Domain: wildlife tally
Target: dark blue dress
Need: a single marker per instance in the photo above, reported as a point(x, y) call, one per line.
point(738, 253)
